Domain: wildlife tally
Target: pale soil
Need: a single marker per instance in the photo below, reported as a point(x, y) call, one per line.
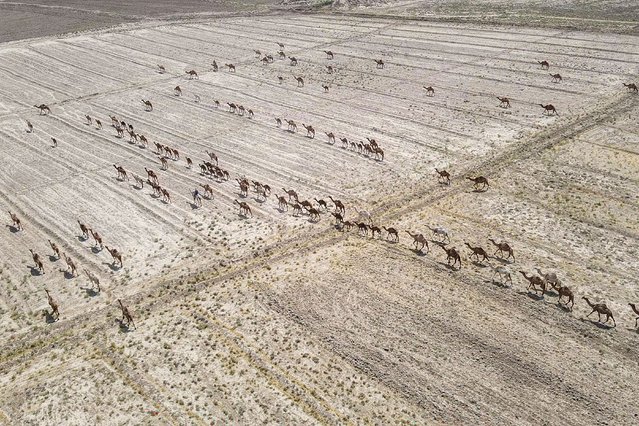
point(274, 319)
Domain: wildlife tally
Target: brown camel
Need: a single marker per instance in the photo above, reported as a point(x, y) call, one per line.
point(98, 124)
point(95, 281)
point(297, 209)
point(250, 112)
point(362, 228)
point(564, 291)
point(54, 306)
point(232, 107)
point(177, 91)
point(329, 54)
point(55, 248)
point(502, 248)
point(126, 315)
point(331, 137)
point(282, 204)
point(212, 156)
point(231, 67)
point(29, 127)
point(429, 90)
point(189, 163)
point(147, 105)
point(380, 63)
point(339, 206)
point(70, 264)
point(375, 230)
point(240, 110)
point(44, 109)
point(636, 311)
point(281, 45)
point(444, 176)
point(477, 252)
point(116, 255)
point(310, 131)
point(245, 210)
point(37, 261)
point(97, 238)
point(534, 281)
point(278, 122)
point(244, 187)
point(330, 69)
point(291, 194)
point(281, 54)
point(197, 198)
point(306, 204)
point(549, 109)
point(479, 180)
point(556, 78)
point(321, 203)
point(89, 119)
point(347, 225)
point(166, 197)
point(544, 65)
point(300, 81)
point(208, 190)
point(393, 232)
point(601, 309)
point(161, 69)
point(192, 74)
point(293, 61)
point(165, 164)
point(215, 67)
point(152, 175)
point(504, 102)
point(339, 219)
point(121, 173)
point(419, 239)
point(17, 224)
point(452, 254)
point(325, 87)
point(84, 229)
point(313, 213)
point(632, 87)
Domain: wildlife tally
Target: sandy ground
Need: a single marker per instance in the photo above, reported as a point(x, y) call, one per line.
point(276, 318)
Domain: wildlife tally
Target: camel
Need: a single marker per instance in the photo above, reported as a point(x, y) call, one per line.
point(393, 232)
point(177, 91)
point(166, 197)
point(98, 124)
point(329, 54)
point(165, 164)
point(379, 153)
point(544, 65)
point(380, 63)
point(29, 127)
point(189, 163)
point(292, 126)
point(339, 206)
point(364, 214)
point(444, 176)
point(502, 248)
point(231, 67)
point(192, 74)
point(362, 228)
point(330, 69)
point(300, 81)
point(148, 106)
point(313, 213)
point(133, 137)
point(44, 109)
point(257, 53)
point(37, 261)
point(429, 90)
point(208, 191)
point(89, 120)
point(321, 203)
point(232, 107)
point(161, 69)
point(250, 112)
point(152, 176)
point(636, 311)
point(632, 87)
point(281, 45)
point(212, 156)
point(244, 187)
point(601, 309)
point(503, 273)
point(441, 232)
point(116, 255)
point(245, 210)
point(331, 137)
point(278, 122)
point(291, 194)
point(281, 54)
point(339, 219)
point(347, 225)
point(120, 131)
point(16, 221)
point(564, 291)
point(375, 230)
point(281, 203)
point(549, 109)
point(126, 315)
point(215, 67)
point(479, 180)
point(53, 305)
point(293, 61)
point(344, 142)
point(452, 254)
point(97, 238)
point(84, 229)
point(70, 264)
point(310, 131)
point(95, 281)
point(550, 277)
point(280, 79)
point(419, 239)
point(556, 78)
point(477, 252)
point(176, 154)
point(534, 281)
point(306, 204)
point(197, 198)
point(55, 248)
point(54, 142)
point(325, 87)
point(504, 102)
point(196, 99)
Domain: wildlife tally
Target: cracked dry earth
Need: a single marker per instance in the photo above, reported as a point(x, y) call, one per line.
point(274, 318)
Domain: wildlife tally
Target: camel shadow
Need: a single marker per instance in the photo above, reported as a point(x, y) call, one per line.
point(48, 317)
point(479, 264)
point(68, 275)
point(479, 190)
point(122, 326)
point(259, 200)
point(532, 296)
point(281, 210)
point(598, 324)
point(35, 271)
point(562, 307)
point(112, 266)
point(96, 249)
point(497, 284)
point(501, 260)
point(193, 205)
point(52, 258)
point(12, 229)
point(449, 266)
point(90, 291)
point(82, 238)
point(419, 252)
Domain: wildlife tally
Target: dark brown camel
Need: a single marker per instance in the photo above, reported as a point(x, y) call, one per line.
point(321, 203)
point(231, 67)
point(429, 90)
point(245, 209)
point(177, 91)
point(147, 105)
point(329, 54)
point(293, 60)
point(313, 213)
point(44, 109)
point(37, 261)
point(549, 109)
point(126, 315)
point(215, 67)
point(544, 65)
point(479, 180)
point(444, 176)
point(452, 254)
point(419, 239)
point(121, 173)
point(300, 81)
point(632, 87)
point(192, 74)
point(54, 306)
point(393, 232)
point(534, 281)
point(291, 193)
point(152, 175)
point(636, 311)
point(362, 228)
point(338, 218)
point(380, 63)
point(556, 78)
point(504, 102)
point(282, 204)
point(477, 252)
point(115, 254)
point(601, 309)
point(502, 248)
point(339, 206)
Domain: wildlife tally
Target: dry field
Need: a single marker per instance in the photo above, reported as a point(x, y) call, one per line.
point(275, 318)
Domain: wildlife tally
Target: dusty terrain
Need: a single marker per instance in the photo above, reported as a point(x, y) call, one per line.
point(278, 319)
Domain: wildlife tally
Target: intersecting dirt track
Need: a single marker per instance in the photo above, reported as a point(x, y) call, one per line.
point(276, 317)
